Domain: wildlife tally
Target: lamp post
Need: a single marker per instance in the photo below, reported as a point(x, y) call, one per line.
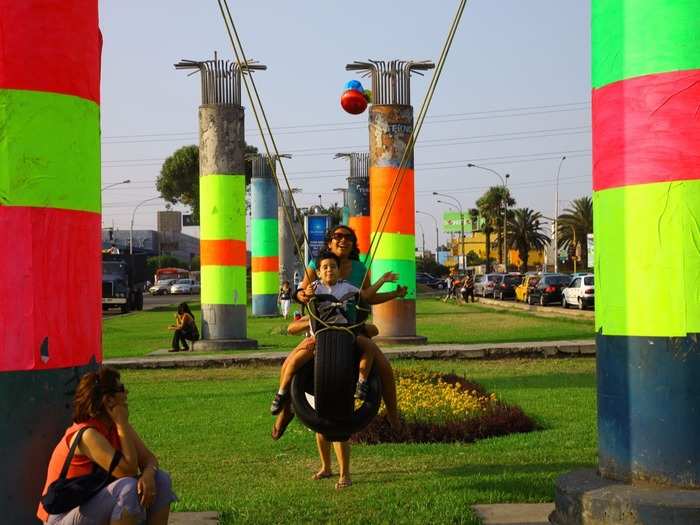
point(556, 216)
point(461, 223)
point(504, 183)
point(127, 181)
point(131, 227)
point(422, 234)
point(437, 238)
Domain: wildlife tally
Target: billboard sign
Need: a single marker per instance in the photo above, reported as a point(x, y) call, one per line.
point(451, 222)
point(316, 228)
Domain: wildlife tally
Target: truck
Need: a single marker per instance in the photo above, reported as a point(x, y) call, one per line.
point(123, 280)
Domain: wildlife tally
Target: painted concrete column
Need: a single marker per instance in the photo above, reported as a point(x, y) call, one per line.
point(264, 238)
point(646, 197)
point(646, 183)
point(222, 207)
point(392, 194)
point(358, 200)
point(50, 245)
point(288, 255)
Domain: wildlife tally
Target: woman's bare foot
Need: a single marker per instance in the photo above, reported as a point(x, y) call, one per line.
point(343, 483)
point(322, 474)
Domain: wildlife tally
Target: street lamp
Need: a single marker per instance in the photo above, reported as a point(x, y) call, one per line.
point(556, 216)
point(504, 182)
point(437, 238)
point(461, 222)
point(127, 181)
point(131, 228)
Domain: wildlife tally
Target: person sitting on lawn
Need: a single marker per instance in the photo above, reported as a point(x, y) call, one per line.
point(336, 300)
point(185, 328)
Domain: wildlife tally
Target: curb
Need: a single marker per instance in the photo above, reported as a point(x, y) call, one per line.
point(445, 351)
point(541, 311)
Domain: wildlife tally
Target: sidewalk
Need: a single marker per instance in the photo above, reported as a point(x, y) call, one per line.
point(163, 359)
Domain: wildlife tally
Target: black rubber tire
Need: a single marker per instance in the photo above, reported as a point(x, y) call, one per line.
point(542, 303)
point(139, 301)
point(334, 416)
point(580, 304)
point(564, 304)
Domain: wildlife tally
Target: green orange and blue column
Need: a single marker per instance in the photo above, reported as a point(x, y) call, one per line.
point(392, 212)
point(50, 215)
point(646, 202)
point(264, 238)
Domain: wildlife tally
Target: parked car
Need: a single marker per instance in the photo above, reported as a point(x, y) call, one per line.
point(506, 288)
point(523, 289)
point(185, 286)
point(485, 284)
point(579, 293)
point(161, 287)
point(430, 280)
point(548, 289)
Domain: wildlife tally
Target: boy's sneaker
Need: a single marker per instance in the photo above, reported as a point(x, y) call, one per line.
point(279, 402)
point(362, 390)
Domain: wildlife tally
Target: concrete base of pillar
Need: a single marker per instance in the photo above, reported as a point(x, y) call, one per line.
point(401, 340)
point(582, 497)
point(209, 345)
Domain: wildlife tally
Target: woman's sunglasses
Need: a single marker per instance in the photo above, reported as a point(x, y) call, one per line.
point(341, 236)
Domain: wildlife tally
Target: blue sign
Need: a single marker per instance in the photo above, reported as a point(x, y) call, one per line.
point(316, 228)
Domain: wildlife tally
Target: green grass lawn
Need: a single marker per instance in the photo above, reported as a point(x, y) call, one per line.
point(140, 333)
point(210, 429)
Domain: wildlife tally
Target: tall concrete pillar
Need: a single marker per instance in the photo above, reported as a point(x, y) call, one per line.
point(50, 240)
point(358, 200)
point(392, 195)
point(288, 254)
point(264, 237)
point(222, 205)
point(646, 197)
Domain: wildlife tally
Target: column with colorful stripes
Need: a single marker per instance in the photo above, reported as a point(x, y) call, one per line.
point(222, 191)
point(646, 182)
point(264, 237)
point(358, 201)
point(392, 195)
point(50, 244)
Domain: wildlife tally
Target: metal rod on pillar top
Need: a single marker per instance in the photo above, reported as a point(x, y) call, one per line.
point(392, 202)
point(358, 199)
point(222, 204)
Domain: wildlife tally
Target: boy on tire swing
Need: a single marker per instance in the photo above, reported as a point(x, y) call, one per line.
point(336, 304)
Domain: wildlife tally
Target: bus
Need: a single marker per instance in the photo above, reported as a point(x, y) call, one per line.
point(166, 274)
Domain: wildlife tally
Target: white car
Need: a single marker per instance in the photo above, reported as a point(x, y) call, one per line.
point(579, 293)
point(161, 287)
point(185, 286)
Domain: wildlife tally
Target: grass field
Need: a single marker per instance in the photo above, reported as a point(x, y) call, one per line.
point(140, 333)
point(210, 429)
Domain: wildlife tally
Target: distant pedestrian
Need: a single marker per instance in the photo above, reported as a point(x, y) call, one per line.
point(468, 288)
point(449, 286)
point(285, 298)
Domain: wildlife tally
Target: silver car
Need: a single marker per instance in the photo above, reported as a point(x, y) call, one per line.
point(161, 287)
point(484, 284)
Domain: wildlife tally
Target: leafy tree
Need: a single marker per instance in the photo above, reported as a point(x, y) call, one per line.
point(490, 206)
point(525, 233)
point(577, 218)
point(431, 266)
point(473, 259)
point(179, 177)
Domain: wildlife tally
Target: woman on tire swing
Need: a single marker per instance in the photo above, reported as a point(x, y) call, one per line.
point(341, 241)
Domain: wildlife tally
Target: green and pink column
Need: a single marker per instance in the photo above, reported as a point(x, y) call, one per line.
point(646, 204)
point(222, 206)
point(50, 332)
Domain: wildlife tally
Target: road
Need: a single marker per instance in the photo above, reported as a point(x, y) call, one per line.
point(150, 302)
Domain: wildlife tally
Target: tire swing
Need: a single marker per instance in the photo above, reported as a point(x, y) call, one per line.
point(323, 389)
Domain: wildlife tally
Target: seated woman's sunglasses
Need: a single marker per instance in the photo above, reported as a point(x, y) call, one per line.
point(341, 236)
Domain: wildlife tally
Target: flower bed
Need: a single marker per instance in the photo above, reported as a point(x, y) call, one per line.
point(444, 408)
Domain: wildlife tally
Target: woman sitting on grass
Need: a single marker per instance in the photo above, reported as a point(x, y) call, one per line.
point(142, 492)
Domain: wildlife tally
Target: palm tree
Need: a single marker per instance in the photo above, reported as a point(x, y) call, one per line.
point(525, 233)
point(490, 207)
point(576, 220)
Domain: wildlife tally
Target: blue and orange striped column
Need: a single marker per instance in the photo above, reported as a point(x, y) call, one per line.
point(390, 127)
point(50, 231)
point(646, 182)
point(358, 201)
point(264, 238)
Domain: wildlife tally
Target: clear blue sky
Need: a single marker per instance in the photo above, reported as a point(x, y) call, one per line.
point(514, 95)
